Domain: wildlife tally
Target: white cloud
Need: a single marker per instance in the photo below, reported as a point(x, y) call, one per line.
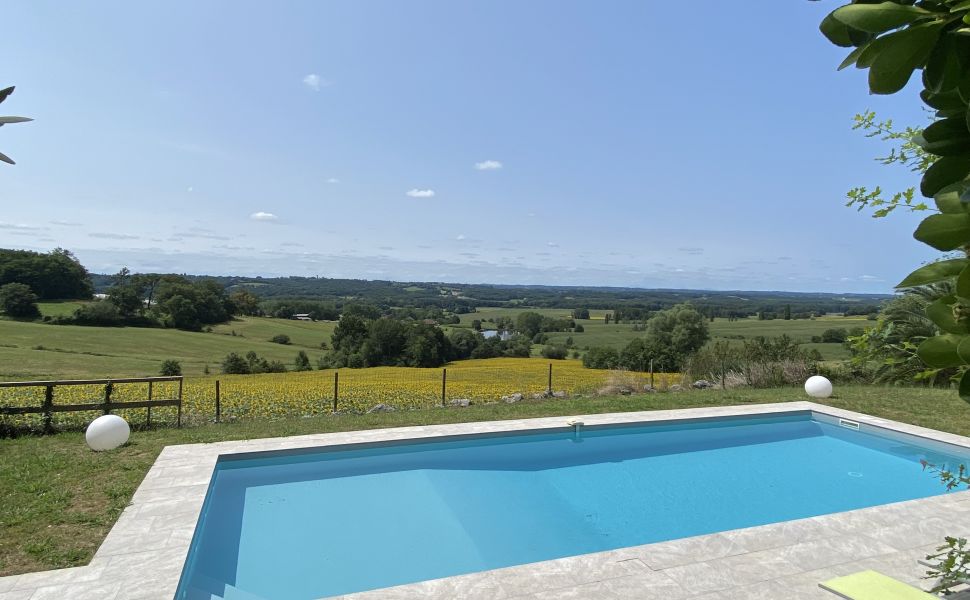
point(488, 165)
point(190, 189)
point(416, 193)
point(333, 180)
point(263, 216)
point(315, 82)
point(460, 237)
point(552, 244)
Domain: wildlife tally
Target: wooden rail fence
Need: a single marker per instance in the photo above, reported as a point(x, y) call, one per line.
point(48, 408)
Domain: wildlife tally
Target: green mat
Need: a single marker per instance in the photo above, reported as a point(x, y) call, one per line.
point(870, 585)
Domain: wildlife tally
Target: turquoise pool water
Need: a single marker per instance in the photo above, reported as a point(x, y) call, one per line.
point(314, 524)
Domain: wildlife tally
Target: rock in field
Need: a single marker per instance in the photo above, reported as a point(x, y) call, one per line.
point(701, 384)
point(512, 398)
point(559, 394)
point(462, 402)
point(676, 388)
point(381, 408)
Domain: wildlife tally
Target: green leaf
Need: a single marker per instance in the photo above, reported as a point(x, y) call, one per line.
point(948, 350)
point(934, 272)
point(962, 6)
point(836, 32)
point(963, 284)
point(943, 68)
point(941, 313)
point(5, 120)
point(946, 137)
point(853, 57)
point(949, 100)
point(965, 387)
point(5, 92)
point(948, 200)
point(904, 52)
point(945, 171)
point(944, 232)
point(877, 18)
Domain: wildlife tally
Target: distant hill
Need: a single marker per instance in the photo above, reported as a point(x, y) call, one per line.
point(455, 296)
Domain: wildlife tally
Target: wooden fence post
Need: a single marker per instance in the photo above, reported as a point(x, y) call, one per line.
point(444, 383)
point(48, 406)
point(549, 387)
point(107, 398)
point(178, 422)
point(336, 380)
point(651, 374)
point(218, 403)
point(148, 418)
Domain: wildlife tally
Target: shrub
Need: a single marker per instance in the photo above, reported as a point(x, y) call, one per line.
point(601, 357)
point(274, 367)
point(578, 328)
point(355, 361)
point(170, 368)
point(98, 314)
point(554, 352)
point(280, 338)
point(18, 301)
point(303, 361)
point(233, 364)
point(836, 335)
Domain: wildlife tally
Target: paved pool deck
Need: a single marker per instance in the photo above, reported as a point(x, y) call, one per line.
point(143, 554)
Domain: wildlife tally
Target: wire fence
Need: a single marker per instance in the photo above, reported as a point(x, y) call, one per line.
point(312, 393)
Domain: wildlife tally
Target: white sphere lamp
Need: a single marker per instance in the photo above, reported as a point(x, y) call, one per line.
point(817, 386)
point(107, 433)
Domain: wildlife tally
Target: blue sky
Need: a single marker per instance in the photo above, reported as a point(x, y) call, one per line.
point(633, 143)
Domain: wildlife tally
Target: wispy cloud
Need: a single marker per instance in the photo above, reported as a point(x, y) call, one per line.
point(263, 216)
point(460, 237)
point(333, 180)
point(63, 223)
point(691, 250)
point(112, 236)
point(488, 165)
point(315, 82)
point(416, 193)
point(21, 226)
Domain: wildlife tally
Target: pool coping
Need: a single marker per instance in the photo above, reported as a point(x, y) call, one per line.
point(143, 554)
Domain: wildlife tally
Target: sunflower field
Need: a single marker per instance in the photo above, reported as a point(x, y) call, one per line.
point(279, 395)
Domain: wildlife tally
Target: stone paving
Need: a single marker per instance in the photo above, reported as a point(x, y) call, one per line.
point(143, 554)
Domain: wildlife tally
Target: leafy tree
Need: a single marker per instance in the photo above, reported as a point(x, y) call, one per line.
point(364, 311)
point(233, 364)
point(893, 39)
point(528, 323)
point(385, 342)
point(4, 94)
point(349, 335)
point(126, 294)
point(601, 357)
point(674, 334)
point(426, 346)
point(245, 302)
point(19, 301)
point(579, 328)
point(98, 314)
point(477, 325)
point(636, 355)
point(581, 313)
point(302, 361)
point(280, 338)
point(463, 343)
point(170, 368)
point(55, 275)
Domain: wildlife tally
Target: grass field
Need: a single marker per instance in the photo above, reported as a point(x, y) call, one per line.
point(598, 333)
point(58, 499)
point(41, 351)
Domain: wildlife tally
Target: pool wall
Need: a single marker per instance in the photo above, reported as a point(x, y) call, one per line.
point(143, 555)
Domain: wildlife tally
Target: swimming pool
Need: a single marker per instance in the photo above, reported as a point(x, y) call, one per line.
point(317, 523)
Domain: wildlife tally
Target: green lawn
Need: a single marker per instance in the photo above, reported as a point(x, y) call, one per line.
point(59, 308)
point(58, 500)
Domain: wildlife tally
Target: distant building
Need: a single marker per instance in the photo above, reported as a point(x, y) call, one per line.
point(303, 317)
point(502, 335)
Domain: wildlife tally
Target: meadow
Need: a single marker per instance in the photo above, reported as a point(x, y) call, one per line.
point(43, 351)
point(598, 333)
